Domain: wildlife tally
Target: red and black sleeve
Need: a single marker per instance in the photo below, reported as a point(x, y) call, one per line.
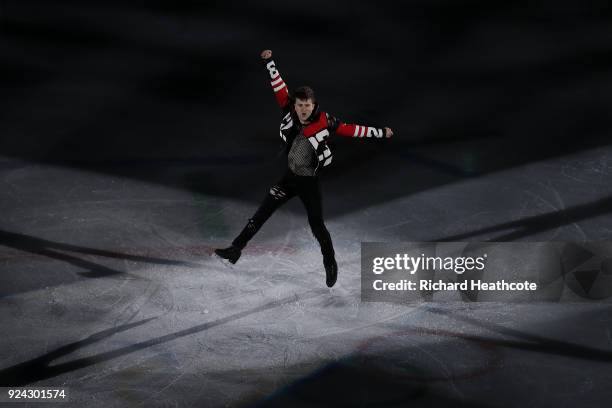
point(278, 84)
point(352, 130)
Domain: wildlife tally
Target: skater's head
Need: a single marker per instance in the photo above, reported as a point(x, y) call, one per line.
point(304, 102)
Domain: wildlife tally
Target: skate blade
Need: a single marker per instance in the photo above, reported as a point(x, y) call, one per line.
point(226, 263)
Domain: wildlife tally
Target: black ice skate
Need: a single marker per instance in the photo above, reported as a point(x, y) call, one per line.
point(231, 253)
point(331, 271)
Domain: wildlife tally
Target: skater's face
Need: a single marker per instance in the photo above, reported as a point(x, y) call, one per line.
point(304, 108)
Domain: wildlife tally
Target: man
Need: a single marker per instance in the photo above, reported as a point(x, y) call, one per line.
point(305, 130)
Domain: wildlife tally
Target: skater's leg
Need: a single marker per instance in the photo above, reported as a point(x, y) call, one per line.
point(278, 195)
point(310, 194)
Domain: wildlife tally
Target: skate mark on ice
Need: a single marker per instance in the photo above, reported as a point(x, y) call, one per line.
point(40, 368)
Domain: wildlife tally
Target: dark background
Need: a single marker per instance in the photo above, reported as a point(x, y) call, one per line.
point(173, 92)
point(157, 94)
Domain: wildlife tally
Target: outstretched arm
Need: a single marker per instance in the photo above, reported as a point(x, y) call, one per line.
point(352, 130)
point(278, 85)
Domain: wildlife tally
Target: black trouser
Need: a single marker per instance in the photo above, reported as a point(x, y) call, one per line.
point(307, 188)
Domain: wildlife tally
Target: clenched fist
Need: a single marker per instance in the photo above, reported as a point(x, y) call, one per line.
point(265, 54)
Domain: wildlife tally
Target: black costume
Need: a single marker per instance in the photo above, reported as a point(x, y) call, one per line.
point(307, 151)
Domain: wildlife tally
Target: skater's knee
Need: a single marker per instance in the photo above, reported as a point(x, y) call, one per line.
point(316, 222)
point(318, 228)
point(251, 224)
point(278, 193)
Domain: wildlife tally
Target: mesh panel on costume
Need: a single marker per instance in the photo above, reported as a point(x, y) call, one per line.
point(302, 160)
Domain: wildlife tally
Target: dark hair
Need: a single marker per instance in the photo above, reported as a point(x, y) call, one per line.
point(303, 93)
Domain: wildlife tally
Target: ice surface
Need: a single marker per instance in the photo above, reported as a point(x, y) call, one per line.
point(108, 288)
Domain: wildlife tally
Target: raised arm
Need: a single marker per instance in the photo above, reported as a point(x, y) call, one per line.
point(278, 85)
